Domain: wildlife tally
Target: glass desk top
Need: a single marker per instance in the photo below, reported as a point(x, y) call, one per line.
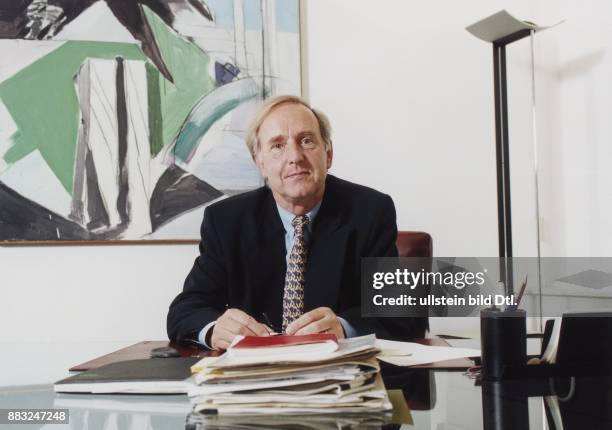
point(440, 400)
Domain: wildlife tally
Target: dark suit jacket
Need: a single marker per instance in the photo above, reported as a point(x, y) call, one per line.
point(242, 260)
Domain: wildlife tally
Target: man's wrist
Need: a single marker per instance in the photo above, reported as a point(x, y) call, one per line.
point(349, 330)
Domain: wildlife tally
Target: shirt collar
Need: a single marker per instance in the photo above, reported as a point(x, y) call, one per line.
point(287, 217)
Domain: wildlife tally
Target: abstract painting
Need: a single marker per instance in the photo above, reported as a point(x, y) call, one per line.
point(123, 119)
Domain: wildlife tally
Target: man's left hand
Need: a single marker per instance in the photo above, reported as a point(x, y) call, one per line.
point(319, 320)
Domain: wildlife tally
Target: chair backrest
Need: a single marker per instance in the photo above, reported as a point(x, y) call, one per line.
point(414, 244)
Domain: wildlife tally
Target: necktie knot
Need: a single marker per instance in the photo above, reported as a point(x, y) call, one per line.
point(299, 222)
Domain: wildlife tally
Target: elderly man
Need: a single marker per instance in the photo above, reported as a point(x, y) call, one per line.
point(286, 257)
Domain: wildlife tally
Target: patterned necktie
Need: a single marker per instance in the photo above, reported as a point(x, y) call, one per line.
point(293, 297)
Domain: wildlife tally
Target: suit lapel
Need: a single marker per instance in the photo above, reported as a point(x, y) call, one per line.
point(326, 254)
point(267, 264)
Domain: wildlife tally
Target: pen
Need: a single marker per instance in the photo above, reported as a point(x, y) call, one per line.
point(520, 296)
point(522, 290)
point(269, 324)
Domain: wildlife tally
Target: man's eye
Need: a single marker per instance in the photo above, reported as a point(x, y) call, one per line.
point(276, 146)
point(307, 141)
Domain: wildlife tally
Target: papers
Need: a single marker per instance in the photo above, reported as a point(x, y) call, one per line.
point(303, 379)
point(343, 398)
point(346, 348)
point(412, 354)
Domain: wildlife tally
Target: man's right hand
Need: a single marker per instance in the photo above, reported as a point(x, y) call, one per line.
point(232, 323)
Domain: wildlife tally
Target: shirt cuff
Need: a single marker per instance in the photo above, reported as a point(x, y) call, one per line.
point(349, 330)
point(204, 332)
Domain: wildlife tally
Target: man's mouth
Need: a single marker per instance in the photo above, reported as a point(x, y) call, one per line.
point(297, 175)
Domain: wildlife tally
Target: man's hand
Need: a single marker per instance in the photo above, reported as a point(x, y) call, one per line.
point(319, 320)
point(232, 323)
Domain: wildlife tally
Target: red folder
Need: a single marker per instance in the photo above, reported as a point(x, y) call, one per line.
point(284, 340)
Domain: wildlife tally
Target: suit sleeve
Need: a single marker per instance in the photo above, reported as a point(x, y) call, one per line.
point(381, 243)
point(204, 295)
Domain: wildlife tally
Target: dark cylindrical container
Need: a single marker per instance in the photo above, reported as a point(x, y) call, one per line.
point(504, 408)
point(503, 339)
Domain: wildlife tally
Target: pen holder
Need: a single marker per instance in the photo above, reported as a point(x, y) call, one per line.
point(503, 338)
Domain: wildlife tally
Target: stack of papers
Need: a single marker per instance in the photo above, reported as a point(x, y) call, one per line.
point(316, 377)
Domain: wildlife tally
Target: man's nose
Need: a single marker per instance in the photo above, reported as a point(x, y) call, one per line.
point(295, 152)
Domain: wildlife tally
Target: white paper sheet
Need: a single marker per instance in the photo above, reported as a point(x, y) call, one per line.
point(412, 354)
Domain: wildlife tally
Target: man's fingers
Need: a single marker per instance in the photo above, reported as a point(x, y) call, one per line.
point(308, 318)
point(235, 322)
point(319, 326)
point(223, 345)
point(312, 328)
point(246, 320)
point(303, 321)
point(237, 314)
point(236, 328)
point(221, 338)
point(258, 328)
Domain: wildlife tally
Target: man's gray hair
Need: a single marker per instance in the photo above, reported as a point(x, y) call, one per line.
point(252, 138)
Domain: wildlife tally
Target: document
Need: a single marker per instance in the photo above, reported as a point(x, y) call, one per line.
point(345, 349)
point(412, 354)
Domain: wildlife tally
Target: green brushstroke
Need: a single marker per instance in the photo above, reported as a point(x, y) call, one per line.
point(189, 68)
point(210, 109)
point(42, 101)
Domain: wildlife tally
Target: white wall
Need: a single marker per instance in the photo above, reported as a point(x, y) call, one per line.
point(577, 130)
point(409, 93)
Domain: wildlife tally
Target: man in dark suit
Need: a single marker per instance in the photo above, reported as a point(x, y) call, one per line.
point(287, 255)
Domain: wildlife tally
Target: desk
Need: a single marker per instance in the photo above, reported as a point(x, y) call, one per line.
point(437, 399)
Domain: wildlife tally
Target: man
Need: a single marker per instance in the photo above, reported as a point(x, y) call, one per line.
point(287, 256)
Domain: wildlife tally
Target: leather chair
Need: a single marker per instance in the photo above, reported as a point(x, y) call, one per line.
point(416, 244)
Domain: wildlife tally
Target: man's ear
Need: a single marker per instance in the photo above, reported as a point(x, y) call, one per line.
point(330, 156)
point(259, 162)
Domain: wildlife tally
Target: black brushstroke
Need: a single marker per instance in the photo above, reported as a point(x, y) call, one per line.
point(202, 7)
point(13, 18)
point(23, 219)
point(122, 143)
point(19, 22)
point(177, 192)
point(98, 215)
point(132, 16)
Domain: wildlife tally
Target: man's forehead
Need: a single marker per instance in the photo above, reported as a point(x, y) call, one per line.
point(291, 115)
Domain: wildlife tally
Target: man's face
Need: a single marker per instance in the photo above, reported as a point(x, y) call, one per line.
point(292, 157)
